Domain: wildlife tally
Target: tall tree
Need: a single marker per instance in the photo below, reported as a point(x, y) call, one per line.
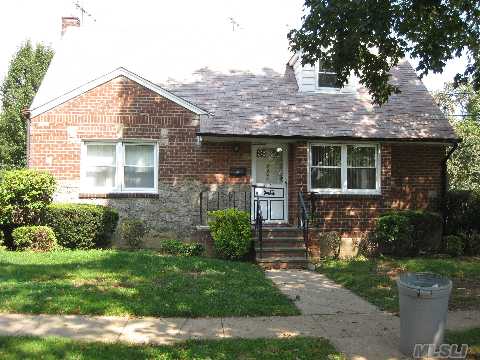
point(369, 37)
point(462, 106)
point(21, 83)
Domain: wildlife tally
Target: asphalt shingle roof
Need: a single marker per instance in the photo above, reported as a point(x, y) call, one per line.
point(269, 104)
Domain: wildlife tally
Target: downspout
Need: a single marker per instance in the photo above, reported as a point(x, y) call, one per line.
point(26, 116)
point(444, 184)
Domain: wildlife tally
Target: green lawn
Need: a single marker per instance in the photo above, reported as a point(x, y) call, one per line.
point(138, 283)
point(375, 279)
point(470, 337)
point(23, 348)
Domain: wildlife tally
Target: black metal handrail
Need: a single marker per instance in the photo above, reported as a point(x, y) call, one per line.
point(258, 219)
point(303, 219)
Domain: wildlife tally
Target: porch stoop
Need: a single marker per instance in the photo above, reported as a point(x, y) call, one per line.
point(282, 248)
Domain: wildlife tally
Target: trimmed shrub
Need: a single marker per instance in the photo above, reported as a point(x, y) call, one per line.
point(463, 218)
point(231, 233)
point(472, 243)
point(178, 248)
point(2, 240)
point(393, 234)
point(462, 212)
point(454, 245)
point(82, 226)
point(408, 233)
point(24, 194)
point(35, 238)
point(132, 232)
point(330, 243)
point(427, 228)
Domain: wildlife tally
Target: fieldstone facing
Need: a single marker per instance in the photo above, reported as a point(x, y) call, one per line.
point(174, 214)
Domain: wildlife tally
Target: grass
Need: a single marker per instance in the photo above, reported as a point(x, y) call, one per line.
point(20, 348)
point(375, 279)
point(470, 337)
point(140, 283)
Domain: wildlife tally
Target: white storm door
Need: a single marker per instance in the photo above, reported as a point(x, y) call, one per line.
point(269, 175)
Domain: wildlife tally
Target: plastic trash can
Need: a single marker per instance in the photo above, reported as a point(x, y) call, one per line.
point(423, 311)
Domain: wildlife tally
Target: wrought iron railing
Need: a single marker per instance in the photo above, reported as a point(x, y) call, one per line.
point(258, 218)
point(220, 200)
point(303, 220)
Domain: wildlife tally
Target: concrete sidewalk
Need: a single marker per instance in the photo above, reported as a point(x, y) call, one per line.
point(354, 326)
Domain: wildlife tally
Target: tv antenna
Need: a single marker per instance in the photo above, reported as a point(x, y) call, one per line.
point(83, 11)
point(235, 25)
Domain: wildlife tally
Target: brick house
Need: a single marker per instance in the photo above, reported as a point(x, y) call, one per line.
point(167, 152)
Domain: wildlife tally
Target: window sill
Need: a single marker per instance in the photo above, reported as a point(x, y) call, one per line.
point(118, 196)
point(345, 194)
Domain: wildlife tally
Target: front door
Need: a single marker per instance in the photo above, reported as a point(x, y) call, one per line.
point(269, 177)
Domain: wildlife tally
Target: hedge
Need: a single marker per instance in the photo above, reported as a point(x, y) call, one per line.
point(81, 226)
point(24, 194)
point(178, 248)
point(36, 238)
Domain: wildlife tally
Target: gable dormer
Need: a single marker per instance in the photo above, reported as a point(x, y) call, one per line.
point(318, 79)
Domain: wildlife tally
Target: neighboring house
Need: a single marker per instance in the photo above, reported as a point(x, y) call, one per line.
point(150, 148)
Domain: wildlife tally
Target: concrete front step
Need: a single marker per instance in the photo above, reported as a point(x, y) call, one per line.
point(283, 247)
point(272, 243)
point(281, 253)
point(295, 233)
point(284, 262)
point(273, 237)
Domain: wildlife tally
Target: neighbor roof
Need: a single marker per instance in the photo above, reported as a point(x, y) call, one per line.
point(242, 96)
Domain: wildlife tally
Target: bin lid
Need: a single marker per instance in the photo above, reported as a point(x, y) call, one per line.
point(424, 281)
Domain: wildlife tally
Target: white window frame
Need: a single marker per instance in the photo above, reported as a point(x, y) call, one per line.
point(344, 186)
point(119, 172)
point(318, 69)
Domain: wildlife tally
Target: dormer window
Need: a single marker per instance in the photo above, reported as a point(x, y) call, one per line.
point(326, 78)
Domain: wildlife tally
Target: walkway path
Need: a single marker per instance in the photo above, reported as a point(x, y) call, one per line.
point(354, 326)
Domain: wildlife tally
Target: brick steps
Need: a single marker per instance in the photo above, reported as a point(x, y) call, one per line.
point(282, 248)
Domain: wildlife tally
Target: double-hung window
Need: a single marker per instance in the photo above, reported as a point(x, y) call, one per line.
point(115, 167)
point(344, 168)
point(326, 78)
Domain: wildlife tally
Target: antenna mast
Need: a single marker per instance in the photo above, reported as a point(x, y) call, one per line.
point(83, 11)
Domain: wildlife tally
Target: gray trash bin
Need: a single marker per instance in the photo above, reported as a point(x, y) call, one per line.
point(423, 310)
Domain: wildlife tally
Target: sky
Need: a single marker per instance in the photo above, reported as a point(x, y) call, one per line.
point(265, 21)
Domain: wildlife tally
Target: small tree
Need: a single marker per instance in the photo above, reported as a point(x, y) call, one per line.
point(23, 79)
point(464, 164)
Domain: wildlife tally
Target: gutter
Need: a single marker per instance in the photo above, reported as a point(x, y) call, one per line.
point(250, 137)
point(444, 184)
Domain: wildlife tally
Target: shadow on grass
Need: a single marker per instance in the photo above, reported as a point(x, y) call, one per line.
point(16, 348)
point(135, 283)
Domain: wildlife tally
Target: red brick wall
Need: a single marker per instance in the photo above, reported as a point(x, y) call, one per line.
point(410, 178)
point(123, 109)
